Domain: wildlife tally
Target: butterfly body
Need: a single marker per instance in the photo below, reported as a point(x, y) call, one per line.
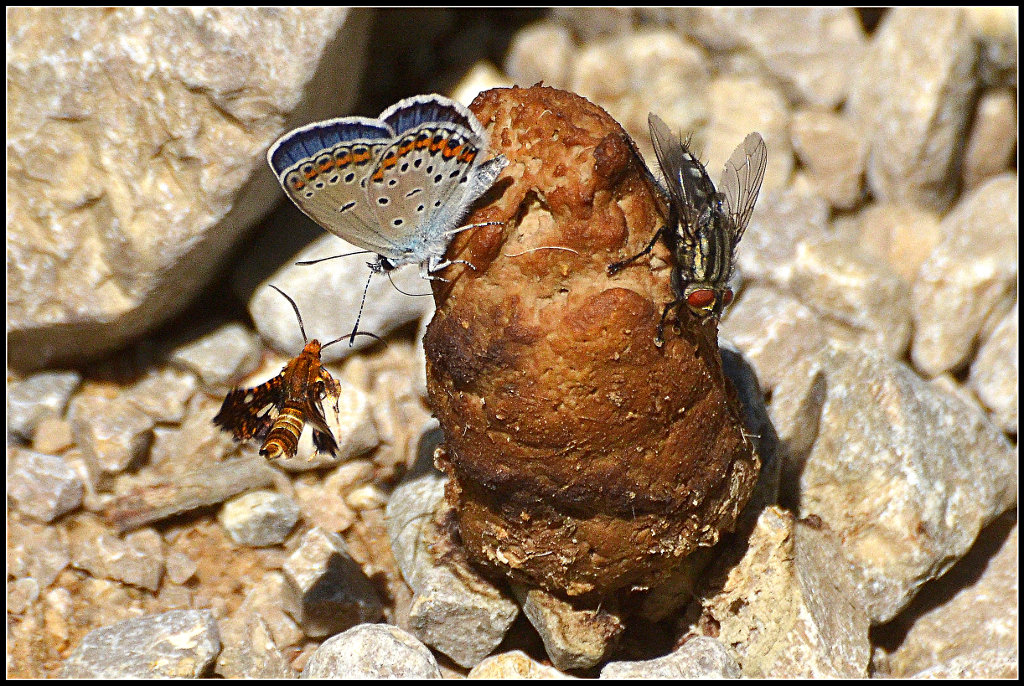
point(276, 411)
point(398, 185)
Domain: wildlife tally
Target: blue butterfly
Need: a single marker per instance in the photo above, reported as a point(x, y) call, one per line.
point(398, 185)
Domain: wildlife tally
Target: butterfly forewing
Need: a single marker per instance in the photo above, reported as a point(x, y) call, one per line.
point(419, 177)
point(413, 112)
point(398, 185)
point(741, 181)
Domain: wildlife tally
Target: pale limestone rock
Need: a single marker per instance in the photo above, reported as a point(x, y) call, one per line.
point(590, 23)
point(674, 71)
point(995, 372)
point(701, 657)
point(52, 436)
point(482, 76)
point(574, 637)
point(220, 357)
point(36, 551)
point(112, 432)
point(902, 236)
point(812, 52)
point(327, 591)
point(259, 518)
point(845, 286)
point(179, 643)
point(454, 609)
point(541, 52)
point(834, 154)
point(788, 608)
point(42, 486)
point(911, 100)
point(773, 329)
point(993, 137)
point(970, 276)
point(739, 105)
point(249, 651)
point(135, 145)
point(328, 296)
point(981, 616)
point(906, 474)
point(372, 651)
point(36, 397)
point(514, 665)
point(137, 559)
point(781, 220)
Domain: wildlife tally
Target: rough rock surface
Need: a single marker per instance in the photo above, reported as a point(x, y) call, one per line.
point(132, 137)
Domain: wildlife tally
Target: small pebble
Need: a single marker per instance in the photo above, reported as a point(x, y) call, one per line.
point(259, 518)
point(372, 651)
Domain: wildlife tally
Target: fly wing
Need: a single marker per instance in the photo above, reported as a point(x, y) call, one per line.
point(323, 168)
point(688, 184)
point(741, 181)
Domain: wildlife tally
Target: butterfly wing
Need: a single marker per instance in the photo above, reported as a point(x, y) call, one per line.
point(250, 412)
point(323, 168)
point(411, 113)
point(425, 180)
point(741, 181)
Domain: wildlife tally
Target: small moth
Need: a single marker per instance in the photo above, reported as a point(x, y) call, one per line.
point(705, 224)
point(276, 411)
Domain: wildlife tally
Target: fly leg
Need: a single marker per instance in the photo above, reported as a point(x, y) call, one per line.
point(616, 267)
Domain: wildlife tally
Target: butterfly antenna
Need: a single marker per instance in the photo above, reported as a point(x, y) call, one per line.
point(355, 329)
point(412, 295)
point(332, 257)
point(353, 335)
point(296, 308)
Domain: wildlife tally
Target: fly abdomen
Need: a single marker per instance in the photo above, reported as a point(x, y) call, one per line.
point(283, 438)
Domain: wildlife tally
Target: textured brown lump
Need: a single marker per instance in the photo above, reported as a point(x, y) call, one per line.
point(582, 457)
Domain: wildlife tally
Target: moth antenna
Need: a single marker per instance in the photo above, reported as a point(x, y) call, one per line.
point(296, 308)
point(332, 257)
point(355, 329)
point(411, 295)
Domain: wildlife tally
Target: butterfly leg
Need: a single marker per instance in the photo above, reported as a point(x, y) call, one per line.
point(616, 267)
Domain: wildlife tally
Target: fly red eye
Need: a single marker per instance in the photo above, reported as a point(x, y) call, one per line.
point(727, 297)
point(700, 299)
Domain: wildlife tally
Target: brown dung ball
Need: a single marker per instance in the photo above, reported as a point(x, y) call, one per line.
point(583, 458)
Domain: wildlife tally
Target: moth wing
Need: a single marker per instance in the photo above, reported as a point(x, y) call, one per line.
point(323, 437)
point(250, 412)
point(323, 168)
point(741, 180)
